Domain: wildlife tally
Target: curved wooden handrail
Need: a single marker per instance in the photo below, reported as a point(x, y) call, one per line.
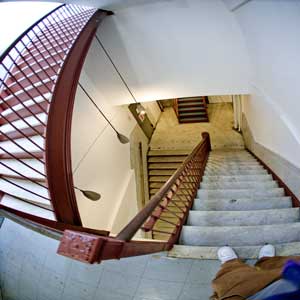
point(58, 142)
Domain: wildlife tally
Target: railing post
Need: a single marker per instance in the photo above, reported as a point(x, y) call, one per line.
point(205, 135)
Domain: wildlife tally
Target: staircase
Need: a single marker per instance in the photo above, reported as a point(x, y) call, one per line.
point(191, 110)
point(161, 165)
point(32, 66)
point(240, 205)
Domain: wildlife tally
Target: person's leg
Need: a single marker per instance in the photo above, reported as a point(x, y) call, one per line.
point(268, 260)
point(232, 272)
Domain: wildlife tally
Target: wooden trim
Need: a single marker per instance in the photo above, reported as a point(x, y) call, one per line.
point(288, 192)
point(58, 142)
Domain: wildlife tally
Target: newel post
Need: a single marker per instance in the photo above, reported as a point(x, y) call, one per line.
point(205, 135)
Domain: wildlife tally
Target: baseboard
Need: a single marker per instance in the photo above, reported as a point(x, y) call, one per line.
point(288, 172)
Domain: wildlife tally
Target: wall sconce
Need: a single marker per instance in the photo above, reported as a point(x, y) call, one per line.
point(89, 194)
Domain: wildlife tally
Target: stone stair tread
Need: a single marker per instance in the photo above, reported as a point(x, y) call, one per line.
point(236, 172)
point(242, 204)
point(236, 178)
point(240, 235)
point(230, 168)
point(243, 252)
point(243, 218)
point(240, 193)
point(238, 185)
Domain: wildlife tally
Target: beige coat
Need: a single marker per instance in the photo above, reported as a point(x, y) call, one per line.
point(238, 281)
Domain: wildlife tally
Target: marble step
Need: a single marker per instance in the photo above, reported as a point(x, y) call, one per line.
point(240, 235)
point(236, 172)
point(239, 193)
point(237, 178)
point(238, 185)
point(233, 168)
point(232, 164)
point(244, 252)
point(243, 218)
point(242, 204)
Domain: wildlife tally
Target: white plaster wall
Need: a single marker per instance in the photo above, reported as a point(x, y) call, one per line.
point(14, 20)
point(169, 49)
point(100, 162)
point(271, 30)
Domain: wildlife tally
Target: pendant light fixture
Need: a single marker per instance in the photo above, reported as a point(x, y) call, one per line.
point(89, 194)
point(121, 137)
point(139, 109)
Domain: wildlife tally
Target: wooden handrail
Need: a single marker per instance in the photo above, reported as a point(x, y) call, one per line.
point(58, 162)
point(94, 249)
point(136, 223)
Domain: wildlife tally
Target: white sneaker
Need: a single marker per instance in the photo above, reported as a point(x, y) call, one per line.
point(225, 254)
point(266, 251)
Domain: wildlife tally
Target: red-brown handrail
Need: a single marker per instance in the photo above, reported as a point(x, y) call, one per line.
point(179, 191)
point(41, 70)
point(186, 179)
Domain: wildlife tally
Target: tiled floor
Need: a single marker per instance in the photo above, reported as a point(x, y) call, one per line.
point(31, 270)
point(169, 134)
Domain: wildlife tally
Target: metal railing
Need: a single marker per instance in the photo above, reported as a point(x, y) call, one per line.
point(33, 69)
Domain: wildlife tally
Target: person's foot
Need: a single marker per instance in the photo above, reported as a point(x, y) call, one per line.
point(226, 253)
point(267, 251)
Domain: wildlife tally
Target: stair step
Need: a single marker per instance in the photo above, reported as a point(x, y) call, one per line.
point(240, 235)
point(16, 134)
point(236, 172)
point(243, 218)
point(236, 178)
point(158, 178)
point(157, 166)
point(191, 109)
point(244, 252)
point(169, 152)
point(193, 103)
point(242, 204)
point(234, 168)
point(239, 185)
point(161, 172)
point(193, 120)
point(192, 114)
point(24, 112)
point(233, 164)
point(239, 193)
point(163, 159)
point(25, 189)
point(27, 207)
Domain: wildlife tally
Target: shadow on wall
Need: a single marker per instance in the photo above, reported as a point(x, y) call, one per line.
point(109, 28)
